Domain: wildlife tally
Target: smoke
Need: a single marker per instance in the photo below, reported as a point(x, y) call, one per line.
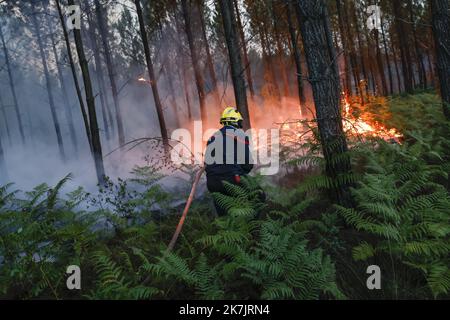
point(38, 161)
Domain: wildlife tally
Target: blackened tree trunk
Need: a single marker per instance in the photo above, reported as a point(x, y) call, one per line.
point(297, 58)
point(151, 74)
point(248, 70)
point(12, 85)
point(324, 78)
point(199, 81)
point(109, 64)
point(237, 70)
point(90, 101)
point(51, 100)
point(441, 32)
point(74, 74)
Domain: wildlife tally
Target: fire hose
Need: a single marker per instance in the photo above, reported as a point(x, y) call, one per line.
point(186, 209)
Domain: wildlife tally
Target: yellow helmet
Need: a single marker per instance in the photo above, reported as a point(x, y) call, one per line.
point(230, 114)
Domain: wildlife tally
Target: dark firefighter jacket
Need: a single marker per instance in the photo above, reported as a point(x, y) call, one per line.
point(221, 162)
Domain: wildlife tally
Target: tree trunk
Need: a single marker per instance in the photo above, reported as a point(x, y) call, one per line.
point(405, 56)
point(48, 84)
point(12, 85)
point(169, 73)
point(62, 82)
point(3, 171)
point(151, 74)
point(321, 60)
point(359, 42)
point(248, 70)
point(441, 32)
point(430, 67)
point(397, 69)
point(267, 58)
point(74, 74)
point(353, 61)
point(209, 59)
point(90, 101)
point(297, 58)
point(182, 64)
point(280, 51)
point(237, 70)
point(199, 81)
point(8, 133)
point(108, 122)
point(388, 62)
point(347, 53)
point(107, 52)
point(380, 63)
point(419, 56)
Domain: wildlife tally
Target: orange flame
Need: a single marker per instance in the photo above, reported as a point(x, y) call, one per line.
point(358, 126)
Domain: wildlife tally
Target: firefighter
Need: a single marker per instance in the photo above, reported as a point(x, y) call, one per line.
point(227, 156)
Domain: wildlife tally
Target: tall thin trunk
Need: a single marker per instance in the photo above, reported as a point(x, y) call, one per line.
point(90, 101)
point(359, 43)
point(8, 133)
point(297, 58)
point(353, 61)
point(109, 64)
point(62, 82)
point(74, 74)
point(430, 67)
point(386, 54)
point(182, 65)
point(400, 84)
point(280, 52)
point(12, 85)
point(419, 56)
point(209, 59)
point(3, 171)
point(108, 122)
point(347, 53)
point(173, 93)
point(440, 10)
point(320, 57)
point(405, 56)
point(48, 84)
point(237, 74)
point(267, 58)
point(199, 81)
point(151, 74)
point(248, 70)
point(380, 63)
